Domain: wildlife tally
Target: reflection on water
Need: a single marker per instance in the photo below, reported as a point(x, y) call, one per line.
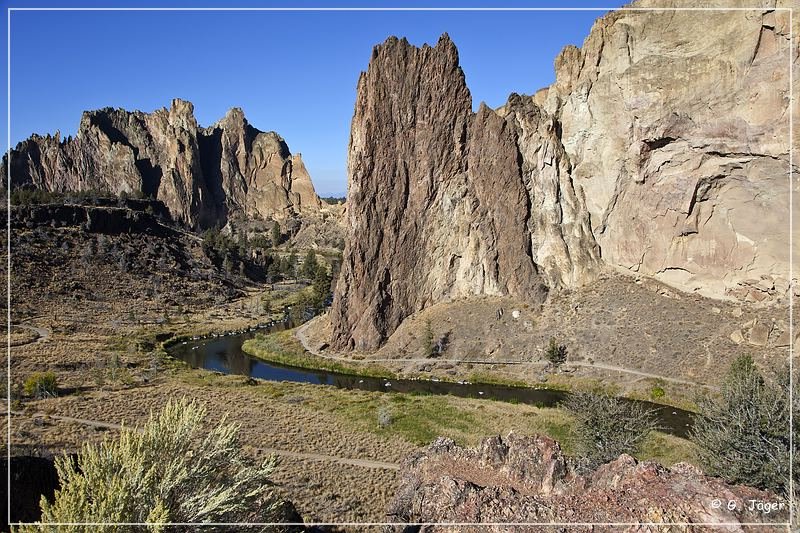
point(224, 354)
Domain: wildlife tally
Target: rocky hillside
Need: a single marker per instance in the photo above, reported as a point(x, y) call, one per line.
point(661, 149)
point(522, 479)
point(677, 125)
point(110, 255)
point(203, 175)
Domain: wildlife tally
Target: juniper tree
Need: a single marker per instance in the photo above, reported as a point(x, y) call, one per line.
point(743, 433)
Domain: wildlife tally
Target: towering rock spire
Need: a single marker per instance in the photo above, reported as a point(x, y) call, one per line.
point(440, 202)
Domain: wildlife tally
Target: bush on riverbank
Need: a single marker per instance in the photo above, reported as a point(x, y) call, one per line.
point(606, 427)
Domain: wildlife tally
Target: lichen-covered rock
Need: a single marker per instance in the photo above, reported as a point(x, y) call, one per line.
point(203, 176)
point(519, 479)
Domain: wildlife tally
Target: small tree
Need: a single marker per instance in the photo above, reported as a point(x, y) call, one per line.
point(276, 233)
point(743, 435)
point(556, 353)
point(606, 427)
point(427, 339)
point(173, 470)
point(310, 264)
point(322, 285)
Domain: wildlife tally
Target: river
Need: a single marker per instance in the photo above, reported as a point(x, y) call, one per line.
point(224, 354)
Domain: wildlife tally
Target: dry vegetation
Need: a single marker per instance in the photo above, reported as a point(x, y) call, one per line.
point(669, 342)
point(98, 327)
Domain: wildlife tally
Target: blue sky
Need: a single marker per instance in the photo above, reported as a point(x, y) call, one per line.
point(291, 72)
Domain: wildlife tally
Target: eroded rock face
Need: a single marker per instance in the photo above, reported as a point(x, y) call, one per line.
point(677, 125)
point(203, 176)
point(522, 479)
point(445, 203)
point(663, 146)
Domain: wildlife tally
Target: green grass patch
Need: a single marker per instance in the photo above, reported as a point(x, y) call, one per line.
point(667, 449)
point(494, 379)
point(282, 348)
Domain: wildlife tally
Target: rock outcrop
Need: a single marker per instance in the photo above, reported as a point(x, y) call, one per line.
point(662, 147)
point(677, 125)
point(524, 479)
point(203, 176)
point(445, 203)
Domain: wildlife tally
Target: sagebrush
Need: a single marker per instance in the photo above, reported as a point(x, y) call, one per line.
point(172, 470)
point(743, 434)
point(606, 427)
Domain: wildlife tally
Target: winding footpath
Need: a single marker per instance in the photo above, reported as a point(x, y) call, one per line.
point(364, 463)
point(302, 336)
point(43, 333)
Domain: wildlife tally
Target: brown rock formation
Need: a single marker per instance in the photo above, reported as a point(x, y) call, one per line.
point(663, 144)
point(521, 479)
point(203, 176)
point(443, 203)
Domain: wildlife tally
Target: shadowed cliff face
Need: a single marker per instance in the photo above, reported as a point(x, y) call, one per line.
point(663, 144)
point(203, 176)
point(442, 202)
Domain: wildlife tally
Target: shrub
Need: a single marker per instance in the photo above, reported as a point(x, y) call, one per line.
point(743, 434)
point(41, 385)
point(173, 470)
point(657, 392)
point(556, 353)
point(606, 427)
point(427, 339)
point(385, 417)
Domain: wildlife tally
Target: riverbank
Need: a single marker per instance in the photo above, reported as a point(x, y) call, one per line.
point(287, 348)
point(432, 416)
point(326, 437)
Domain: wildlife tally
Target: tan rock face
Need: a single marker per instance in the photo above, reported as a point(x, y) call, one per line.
point(521, 479)
point(676, 123)
point(444, 203)
point(203, 176)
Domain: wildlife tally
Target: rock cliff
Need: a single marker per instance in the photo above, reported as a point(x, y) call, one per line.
point(677, 125)
point(202, 175)
point(521, 479)
point(444, 203)
point(662, 149)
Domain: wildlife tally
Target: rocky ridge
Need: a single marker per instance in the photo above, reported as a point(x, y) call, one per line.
point(204, 176)
point(524, 479)
point(661, 150)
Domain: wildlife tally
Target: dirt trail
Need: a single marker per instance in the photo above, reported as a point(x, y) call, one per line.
point(42, 332)
point(365, 463)
point(301, 336)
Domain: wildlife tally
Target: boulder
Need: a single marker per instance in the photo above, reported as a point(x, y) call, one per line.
point(523, 479)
